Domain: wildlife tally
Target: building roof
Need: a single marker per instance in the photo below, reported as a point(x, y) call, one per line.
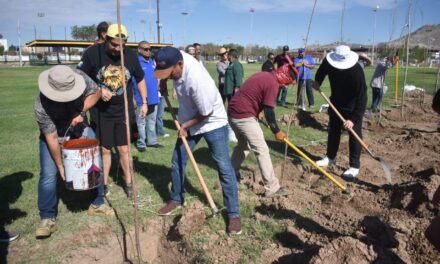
point(81, 43)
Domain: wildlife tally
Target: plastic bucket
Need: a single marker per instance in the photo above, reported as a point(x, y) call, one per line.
point(82, 163)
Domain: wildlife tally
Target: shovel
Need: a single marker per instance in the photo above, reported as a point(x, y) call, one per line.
point(384, 164)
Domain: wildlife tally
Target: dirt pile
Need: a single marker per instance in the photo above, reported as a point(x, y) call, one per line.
point(192, 220)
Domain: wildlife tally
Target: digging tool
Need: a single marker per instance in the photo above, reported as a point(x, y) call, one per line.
point(384, 164)
point(344, 188)
point(214, 209)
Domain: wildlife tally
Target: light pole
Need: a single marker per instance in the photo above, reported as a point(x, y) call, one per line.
point(158, 21)
point(184, 14)
point(374, 33)
point(40, 15)
point(19, 42)
point(252, 10)
point(143, 22)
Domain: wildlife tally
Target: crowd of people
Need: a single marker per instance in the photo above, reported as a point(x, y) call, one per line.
point(230, 111)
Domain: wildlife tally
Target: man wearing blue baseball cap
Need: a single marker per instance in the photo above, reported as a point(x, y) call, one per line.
point(201, 115)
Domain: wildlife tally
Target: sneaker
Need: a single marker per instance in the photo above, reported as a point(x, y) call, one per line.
point(351, 173)
point(100, 210)
point(8, 236)
point(166, 135)
point(311, 106)
point(157, 145)
point(106, 191)
point(326, 162)
point(281, 192)
point(141, 149)
point(234, 227)
point(169, 208)
point(46, 228)
point(129, 190)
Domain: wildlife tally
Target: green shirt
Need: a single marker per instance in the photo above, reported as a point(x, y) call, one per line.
point(233, 77)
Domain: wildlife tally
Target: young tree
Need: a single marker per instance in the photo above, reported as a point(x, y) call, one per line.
point(2, 49)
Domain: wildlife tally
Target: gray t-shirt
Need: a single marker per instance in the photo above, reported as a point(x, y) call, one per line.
point(378, 79)
point(54, 116)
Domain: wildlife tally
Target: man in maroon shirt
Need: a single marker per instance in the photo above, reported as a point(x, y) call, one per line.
point(258, 94)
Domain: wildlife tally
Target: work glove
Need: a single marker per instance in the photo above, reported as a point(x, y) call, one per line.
point(280, 136)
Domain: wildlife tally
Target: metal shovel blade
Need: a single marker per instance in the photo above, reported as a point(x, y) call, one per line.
point(385, 168)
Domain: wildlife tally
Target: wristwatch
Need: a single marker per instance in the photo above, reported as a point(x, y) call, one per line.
point(83, 114)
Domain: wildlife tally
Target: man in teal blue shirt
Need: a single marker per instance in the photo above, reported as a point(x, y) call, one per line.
point(147, 125)
point(304, 64)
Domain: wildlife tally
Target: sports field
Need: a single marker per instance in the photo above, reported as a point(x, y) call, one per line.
point(19, 173)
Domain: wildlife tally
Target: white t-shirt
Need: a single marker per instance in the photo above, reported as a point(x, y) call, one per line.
point(197, 93)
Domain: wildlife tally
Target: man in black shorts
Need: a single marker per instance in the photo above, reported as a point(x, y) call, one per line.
point(102, 63)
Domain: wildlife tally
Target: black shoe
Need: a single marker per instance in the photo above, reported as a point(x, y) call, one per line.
point(141, 149)
point(155, 146)
point(8, 236)
point(129, 190)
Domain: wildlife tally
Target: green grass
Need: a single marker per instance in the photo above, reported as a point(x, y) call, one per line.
point(19, 173)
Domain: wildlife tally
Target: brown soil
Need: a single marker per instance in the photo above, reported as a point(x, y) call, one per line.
point(382, 223)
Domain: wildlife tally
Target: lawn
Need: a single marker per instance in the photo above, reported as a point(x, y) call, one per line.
point(19, 170)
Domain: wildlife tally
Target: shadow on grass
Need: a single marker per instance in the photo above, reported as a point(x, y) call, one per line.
point(11, 189)
point(306, 119)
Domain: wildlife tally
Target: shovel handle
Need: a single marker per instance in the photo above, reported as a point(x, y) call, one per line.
point(343, 120)
point(340, 185)
point(214, 209)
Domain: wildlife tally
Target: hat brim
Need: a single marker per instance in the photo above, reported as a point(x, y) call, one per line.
point(366, 58)
point(61, 96)
point(163, 74)
point(342, 64)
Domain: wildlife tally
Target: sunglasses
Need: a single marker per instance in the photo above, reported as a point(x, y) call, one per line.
point(146, 49)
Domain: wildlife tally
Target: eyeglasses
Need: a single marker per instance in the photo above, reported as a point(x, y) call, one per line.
point(146, 49)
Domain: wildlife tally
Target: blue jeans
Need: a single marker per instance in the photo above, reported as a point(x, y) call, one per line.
point(283, 93)
point(47, 185)
point(159, 121)
point(377, 99)
point(147, 127)
point(217, 140)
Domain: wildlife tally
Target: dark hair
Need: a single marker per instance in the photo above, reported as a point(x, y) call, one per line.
point(270, 54)
point(233, 53)
point(196, 44)
point(102, 27)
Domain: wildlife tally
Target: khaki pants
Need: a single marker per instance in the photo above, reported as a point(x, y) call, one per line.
point(251, 137)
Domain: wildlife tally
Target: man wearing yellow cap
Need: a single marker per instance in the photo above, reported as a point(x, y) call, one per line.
point(102, 63)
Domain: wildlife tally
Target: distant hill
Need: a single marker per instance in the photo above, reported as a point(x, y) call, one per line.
point(428, 34)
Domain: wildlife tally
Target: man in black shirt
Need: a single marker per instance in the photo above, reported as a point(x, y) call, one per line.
point(102, 63)
point(268, 66)
point(349, 96)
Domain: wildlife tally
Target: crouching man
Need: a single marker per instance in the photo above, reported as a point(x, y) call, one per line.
point(65, 95)
point(258, 94)
point(201, 115)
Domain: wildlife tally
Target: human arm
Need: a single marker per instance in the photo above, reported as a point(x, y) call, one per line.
point(238, 76)
point(89, 102)
point(142, 87)
point(183, 131)
point(269, 114)
point(55, 151)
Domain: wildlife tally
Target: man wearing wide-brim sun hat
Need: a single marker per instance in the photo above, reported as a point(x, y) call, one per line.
point(65, 96)
point(364, 60)
point(349, 96)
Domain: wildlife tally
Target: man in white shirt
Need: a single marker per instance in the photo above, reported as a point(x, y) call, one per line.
point(201, 115)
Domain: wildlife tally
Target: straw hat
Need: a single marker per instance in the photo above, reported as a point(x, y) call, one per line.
point(222, 51)
point(61, 84)
point(342, 58)
point(364, 56)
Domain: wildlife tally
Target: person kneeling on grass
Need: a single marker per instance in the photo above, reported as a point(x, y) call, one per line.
point(258, 94)
point(65, 95)
point(349, 96)
point(201, 115)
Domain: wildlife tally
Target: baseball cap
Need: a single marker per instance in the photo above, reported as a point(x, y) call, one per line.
point(113, 32)
point(300, 50)
point(166, 58)
point(285, 48)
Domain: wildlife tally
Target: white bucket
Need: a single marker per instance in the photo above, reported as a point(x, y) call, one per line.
point(82, 163)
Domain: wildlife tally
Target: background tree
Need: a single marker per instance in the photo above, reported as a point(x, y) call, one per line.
point(84, 32)
point(2, 49)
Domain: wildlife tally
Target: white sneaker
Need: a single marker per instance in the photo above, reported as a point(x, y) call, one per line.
point(166, 135)
point(325, 162)
point(351, 173)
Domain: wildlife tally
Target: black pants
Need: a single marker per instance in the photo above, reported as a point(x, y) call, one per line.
point(334, 137)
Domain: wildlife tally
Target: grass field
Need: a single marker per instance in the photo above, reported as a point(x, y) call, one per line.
point(19, 170)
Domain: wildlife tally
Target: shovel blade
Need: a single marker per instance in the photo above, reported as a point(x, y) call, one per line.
point(386, 169)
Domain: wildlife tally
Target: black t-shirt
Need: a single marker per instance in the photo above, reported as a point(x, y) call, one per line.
point(268, 66)
point(104, 69)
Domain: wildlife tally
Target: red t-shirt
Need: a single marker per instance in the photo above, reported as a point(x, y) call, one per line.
point(259, 90)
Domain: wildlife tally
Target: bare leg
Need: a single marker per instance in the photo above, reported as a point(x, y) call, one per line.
point(106, 162)
point(125, 162)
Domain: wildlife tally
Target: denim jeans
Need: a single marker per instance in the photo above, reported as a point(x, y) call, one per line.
point(283, 94)
point(147, 127)
point(159, 121)
point(217, 140)
point(47, 185)
point(309, 92)
point(377, 99)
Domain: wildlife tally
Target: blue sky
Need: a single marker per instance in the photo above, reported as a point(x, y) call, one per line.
point(275, 22)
